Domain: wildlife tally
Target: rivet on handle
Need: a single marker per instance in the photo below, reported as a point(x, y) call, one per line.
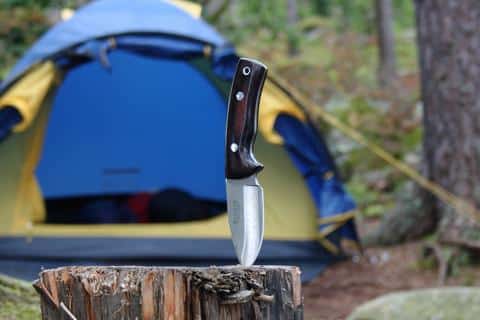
point(239, 96)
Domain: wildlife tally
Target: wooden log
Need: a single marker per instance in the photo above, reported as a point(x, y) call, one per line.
point(170, 293)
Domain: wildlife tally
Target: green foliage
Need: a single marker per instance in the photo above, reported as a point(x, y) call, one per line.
point(250, 16)
point(21, 23)
point(406, 51)
point(322, 7)
point(9, 4)
point(359, 15)
point(404, 14)
point(269, 14)
point(38, 4)
point(356, 15)
point(345, 13)
point(19, 28)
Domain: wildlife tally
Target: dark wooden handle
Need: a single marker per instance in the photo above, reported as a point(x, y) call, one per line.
point(242, 119)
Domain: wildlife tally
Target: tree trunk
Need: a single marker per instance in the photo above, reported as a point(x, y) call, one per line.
point(292, 19)
point(387, 68)
point(234, 293)
point(449, 51)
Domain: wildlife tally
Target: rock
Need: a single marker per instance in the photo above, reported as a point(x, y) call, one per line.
point(410, 219)
point(18, 300)
point(455, 303)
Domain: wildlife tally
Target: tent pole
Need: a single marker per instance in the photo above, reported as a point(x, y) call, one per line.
point(233, 292)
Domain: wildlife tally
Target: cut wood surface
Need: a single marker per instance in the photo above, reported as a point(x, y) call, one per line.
point(232, 292)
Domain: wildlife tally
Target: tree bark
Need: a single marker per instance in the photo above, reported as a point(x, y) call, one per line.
point(234, 293)
point(387, 68)
point(449, 52)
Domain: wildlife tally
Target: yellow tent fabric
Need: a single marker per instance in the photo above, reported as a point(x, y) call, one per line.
point(21, 201)
point(274, 102)
point(28, 94)
point(194, 9)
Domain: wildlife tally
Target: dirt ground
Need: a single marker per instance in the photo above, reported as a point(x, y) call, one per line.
point(342, 287)
point(346, 285)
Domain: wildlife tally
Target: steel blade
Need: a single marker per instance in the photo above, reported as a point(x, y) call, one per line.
point(245, 216)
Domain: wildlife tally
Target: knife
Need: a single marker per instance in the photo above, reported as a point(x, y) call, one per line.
point(244, 193)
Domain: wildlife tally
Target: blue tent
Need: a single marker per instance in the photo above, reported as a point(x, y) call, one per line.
point(130, 97)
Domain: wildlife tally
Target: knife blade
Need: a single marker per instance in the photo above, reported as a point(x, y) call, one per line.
point(244, 192)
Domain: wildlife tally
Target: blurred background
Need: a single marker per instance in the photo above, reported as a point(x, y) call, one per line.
point(392, 88)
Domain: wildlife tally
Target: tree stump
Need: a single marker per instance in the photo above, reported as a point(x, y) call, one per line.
point(170, 293)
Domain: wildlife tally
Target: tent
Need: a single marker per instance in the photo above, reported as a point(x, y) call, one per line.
point(128, 97)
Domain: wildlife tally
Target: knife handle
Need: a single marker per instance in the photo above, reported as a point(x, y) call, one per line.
point(242, 119)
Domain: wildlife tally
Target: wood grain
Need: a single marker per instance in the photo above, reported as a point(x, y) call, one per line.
point(114, 293)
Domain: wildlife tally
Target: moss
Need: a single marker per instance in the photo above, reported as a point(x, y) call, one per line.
point(19, 311)
point(18, 300)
